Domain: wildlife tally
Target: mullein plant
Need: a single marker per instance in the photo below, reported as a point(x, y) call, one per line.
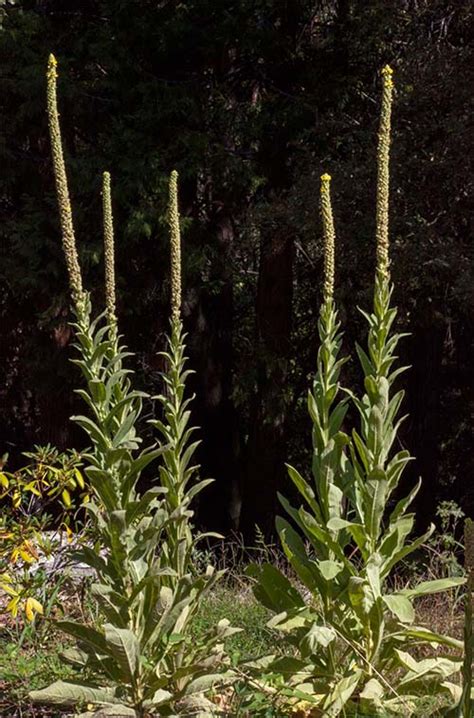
point(352, 637)
point(140, 658)
point(177, 471)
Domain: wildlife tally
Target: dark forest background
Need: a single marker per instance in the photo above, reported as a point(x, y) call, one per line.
point(250, 100)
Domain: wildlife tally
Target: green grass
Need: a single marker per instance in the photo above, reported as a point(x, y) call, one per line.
point(32, 667)
point(26, 669)
point(243, 611)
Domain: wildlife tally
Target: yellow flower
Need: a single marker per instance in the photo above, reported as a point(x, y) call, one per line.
point(66, 497)
point(25, 551)
point(6, 585)
point(79, 478)
point(32, 607)
point(12, 606)
point(69, 533)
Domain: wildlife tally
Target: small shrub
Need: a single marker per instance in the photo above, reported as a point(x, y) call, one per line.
point(42, 494)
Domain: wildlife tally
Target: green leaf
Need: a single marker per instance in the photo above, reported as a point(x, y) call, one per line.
point(94, 432)
point(427, 587)
point(75, 657)
point(361, 597)
point(304, 488)
point(405, 551)
point(67, 693)
point(115, 711)
point(124, 647)
point(295, 551)
point(202, 684)
point(372, 693)
point(364, 360)
point(86, 634)
point(330, 569)
point(338, 697)
point(400, 606)
point(356, 530)
point(273, 589)
point(426, 635)
point(317, 637)
point(160, 697)
point(97, 390)
point(125, 433)
point(419, 672)
point(404, 503)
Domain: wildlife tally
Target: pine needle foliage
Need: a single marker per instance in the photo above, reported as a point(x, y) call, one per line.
point(141, 656)
point(354, 634)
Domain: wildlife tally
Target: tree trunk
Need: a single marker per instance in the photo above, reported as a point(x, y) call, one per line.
point(266, 450)
point(210, 341)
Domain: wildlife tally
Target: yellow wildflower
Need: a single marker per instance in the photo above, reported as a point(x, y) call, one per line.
point(32, 607)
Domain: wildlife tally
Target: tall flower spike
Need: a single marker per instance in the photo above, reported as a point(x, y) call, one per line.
point(329, 237)
point(173, 219)
point(383, 174)
point(65, 213)
point(109, 250)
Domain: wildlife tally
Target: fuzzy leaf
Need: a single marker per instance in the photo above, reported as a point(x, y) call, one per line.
point(400, 606)
point(68, 694)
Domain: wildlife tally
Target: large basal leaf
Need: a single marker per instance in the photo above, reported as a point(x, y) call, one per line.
point(160, 697)
point(75, 657)
point(124, 646)
point(115, 711)
point(202, 684)
point(86, 634)
point(68, 694)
